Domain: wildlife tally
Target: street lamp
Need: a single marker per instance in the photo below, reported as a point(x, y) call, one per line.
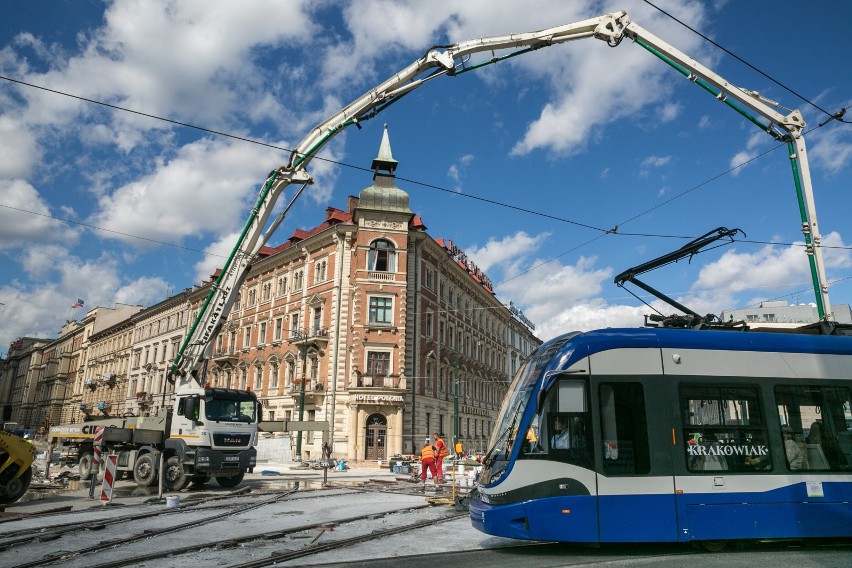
point(456, 405)
point(302, 392)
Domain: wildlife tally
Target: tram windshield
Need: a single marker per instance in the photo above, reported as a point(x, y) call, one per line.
point(506, 431)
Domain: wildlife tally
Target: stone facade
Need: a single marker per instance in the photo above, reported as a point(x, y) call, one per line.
point(364, 321)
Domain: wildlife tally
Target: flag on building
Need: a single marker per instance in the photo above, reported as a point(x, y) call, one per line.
point(79, 304)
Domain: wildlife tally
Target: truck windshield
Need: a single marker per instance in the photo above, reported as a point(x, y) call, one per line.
point(230, 409)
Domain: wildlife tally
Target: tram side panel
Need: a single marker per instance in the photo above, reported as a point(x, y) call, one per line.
point(635, 484)
point(739, 418)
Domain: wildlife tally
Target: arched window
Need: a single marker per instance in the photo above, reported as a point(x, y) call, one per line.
point(382, 256)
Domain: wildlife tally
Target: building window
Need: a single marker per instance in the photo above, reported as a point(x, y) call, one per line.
point(279, 323)
point(381, 310)
point(429, 278)
point(378, 363)
point(262, 335)
point(247, 337)
point(266, 291)
point(291, 372)
point(317, 320)
point(319, 271)
point(294, 324)
point(282, 286)
point(441, 327)
point(429, 324)
point(258, 378)
point(273, 377)
point(381, 257)
point(252, 297)
point(298, 280)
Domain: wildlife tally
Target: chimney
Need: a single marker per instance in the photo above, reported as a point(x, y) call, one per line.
point(352, 204)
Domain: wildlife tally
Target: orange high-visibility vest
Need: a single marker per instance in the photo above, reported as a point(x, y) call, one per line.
point(442, 448)
point(427, 453)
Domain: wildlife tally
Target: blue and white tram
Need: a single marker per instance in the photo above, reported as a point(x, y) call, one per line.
point(673, 435)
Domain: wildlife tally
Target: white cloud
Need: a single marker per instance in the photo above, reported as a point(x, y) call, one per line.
point(670, 111)
point(769, 268)
point(832, 150)
point(143, 291)
point(20, 151)
point(656, 161)
point(214, 257)
point(58, 278)
point(507, 251)
point(25, 217)
point(457, 170)
point(194, 193)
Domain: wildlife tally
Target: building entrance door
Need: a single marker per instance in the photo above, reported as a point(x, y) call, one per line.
point(377, 434)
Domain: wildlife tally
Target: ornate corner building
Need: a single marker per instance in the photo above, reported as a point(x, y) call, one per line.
point(364, 321)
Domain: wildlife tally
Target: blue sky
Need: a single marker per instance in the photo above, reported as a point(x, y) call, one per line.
point(587, 135)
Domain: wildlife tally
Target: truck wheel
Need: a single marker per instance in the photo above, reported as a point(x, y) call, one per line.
point(144, 473)
point(85, 465)
point(231, 481)
point(199, 480)
point(174, 477)
point(13, 488)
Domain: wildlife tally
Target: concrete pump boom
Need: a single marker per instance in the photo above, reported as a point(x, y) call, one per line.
point(452, 60)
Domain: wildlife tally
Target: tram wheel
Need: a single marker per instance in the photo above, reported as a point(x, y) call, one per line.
point(713, 545)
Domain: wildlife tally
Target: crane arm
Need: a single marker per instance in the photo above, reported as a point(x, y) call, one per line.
point(450, 60)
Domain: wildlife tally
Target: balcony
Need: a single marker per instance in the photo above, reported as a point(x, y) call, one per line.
point(380, 382)
point(225, 355)
point(313, 389)
point(91, 383)
point(316, 337)
point(108, 379)
point(381, 276)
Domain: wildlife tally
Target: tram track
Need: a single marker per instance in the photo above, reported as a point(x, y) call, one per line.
point(306, 551)
point(10, 541)
point(104, 545)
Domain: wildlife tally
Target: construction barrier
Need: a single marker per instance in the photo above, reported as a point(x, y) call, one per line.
point(97, 442)
point(109, 478)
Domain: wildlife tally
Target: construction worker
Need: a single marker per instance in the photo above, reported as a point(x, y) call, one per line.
point(459, 449)
point(427, 460)
point(441, 448)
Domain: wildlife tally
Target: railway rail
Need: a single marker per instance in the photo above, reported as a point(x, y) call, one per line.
point(118, 537)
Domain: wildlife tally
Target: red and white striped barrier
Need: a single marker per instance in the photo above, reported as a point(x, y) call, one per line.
point(96, 448)
point(109, 478)
point(97, 442)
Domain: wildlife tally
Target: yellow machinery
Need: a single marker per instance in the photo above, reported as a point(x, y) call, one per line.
point(16, 458)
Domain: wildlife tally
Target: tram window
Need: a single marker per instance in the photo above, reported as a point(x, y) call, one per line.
point(624, 429)
point(818, 420)
point(723, 429)
point(562, 429)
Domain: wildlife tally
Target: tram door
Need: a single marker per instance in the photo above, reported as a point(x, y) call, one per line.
point(636, 500)
point(377, 433)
